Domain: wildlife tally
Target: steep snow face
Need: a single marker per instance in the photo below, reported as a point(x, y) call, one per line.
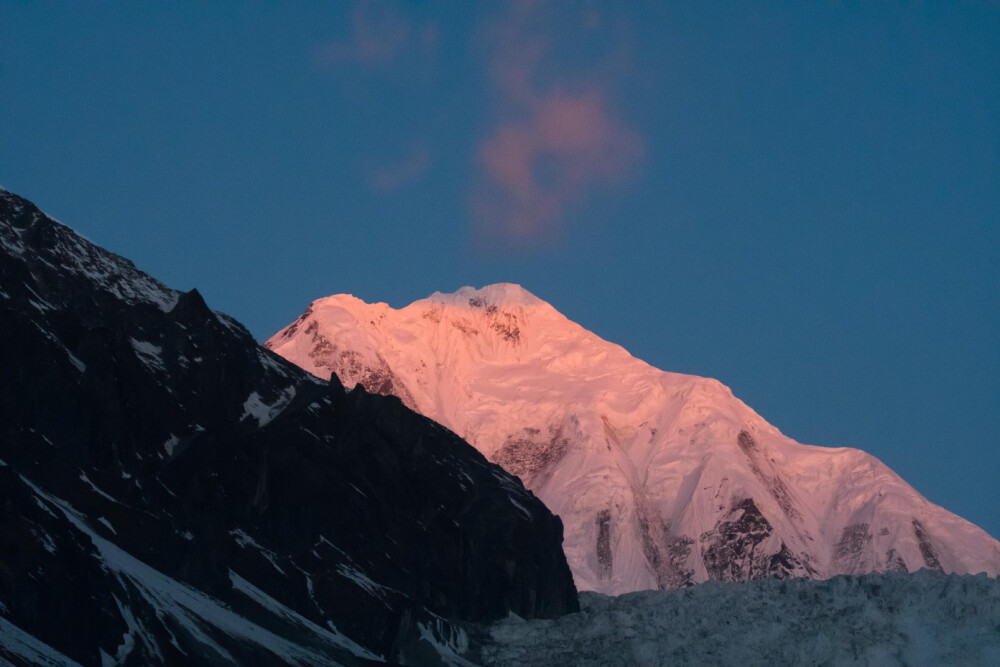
point(661, 479)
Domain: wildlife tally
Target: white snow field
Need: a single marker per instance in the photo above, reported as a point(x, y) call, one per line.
point(923, 618)
point(661, 479)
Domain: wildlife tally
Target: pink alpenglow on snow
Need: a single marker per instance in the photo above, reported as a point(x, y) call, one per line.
point(661, 479)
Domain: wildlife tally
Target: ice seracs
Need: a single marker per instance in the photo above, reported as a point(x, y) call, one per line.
point(926, 619)
point(661, 479)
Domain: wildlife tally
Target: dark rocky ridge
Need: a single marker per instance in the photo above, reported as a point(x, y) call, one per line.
point(170, 492)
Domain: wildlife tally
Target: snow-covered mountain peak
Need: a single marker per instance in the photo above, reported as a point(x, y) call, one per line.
point(496, 326)
point(346, 302)
point(661, 479)
point(498, 295)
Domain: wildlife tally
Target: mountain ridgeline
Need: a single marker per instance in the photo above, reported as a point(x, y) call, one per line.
point(661, 479)
point(172, 493)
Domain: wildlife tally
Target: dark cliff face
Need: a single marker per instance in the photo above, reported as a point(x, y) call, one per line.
point(170, 492)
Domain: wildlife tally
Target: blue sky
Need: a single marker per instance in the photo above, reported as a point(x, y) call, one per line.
point(801, 201)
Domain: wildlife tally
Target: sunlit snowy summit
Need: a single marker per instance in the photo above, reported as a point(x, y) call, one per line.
point(661, 479)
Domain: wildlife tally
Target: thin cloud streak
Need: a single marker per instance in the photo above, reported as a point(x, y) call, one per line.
point(410, 169)
point(379, 35)
point(552, 145)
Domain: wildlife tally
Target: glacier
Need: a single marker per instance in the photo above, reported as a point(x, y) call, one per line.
point(923, 618)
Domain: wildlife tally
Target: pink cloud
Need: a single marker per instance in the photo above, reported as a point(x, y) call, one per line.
point(379, 34)
point(410, 169)
point(534, 170)
point(552, 145)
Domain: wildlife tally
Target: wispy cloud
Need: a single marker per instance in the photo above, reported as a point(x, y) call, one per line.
point(386, 46)
point(408, 170)
point(379, 35)
point(557, 136)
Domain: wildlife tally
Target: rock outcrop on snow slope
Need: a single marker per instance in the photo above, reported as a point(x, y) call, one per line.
point(661, 479)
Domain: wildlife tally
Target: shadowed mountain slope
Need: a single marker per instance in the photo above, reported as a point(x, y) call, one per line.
point(172, 493)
